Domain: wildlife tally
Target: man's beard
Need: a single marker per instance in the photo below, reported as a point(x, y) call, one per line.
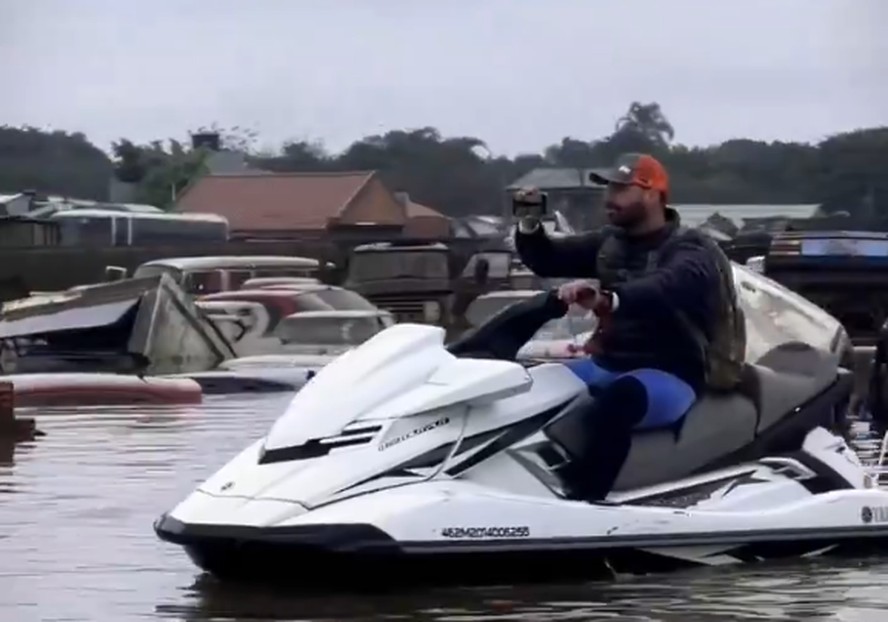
point(627, 216)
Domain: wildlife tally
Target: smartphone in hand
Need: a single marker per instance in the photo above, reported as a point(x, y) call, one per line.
point(531, 204)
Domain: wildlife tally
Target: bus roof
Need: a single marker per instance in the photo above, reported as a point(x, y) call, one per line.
point(511, 293)
point(110, 213)
point(338, 314)
point(234, 261)
point(388, 246)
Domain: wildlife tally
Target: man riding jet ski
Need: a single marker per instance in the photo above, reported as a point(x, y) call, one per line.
point(404, 454)
point(408, 458)
point(670, 325)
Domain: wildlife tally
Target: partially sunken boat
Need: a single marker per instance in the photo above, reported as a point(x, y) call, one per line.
point(144, 326)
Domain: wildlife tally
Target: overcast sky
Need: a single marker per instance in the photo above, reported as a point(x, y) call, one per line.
point(519, 74)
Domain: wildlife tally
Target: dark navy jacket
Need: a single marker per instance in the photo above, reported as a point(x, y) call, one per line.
point(645, 331)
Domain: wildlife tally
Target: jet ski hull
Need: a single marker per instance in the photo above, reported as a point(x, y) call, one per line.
point(362, 555)
point(459, 530)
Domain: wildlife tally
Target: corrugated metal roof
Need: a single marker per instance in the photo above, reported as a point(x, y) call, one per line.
point(134, 207)
point(482, 226)
point(554, 178)
point(695, 214)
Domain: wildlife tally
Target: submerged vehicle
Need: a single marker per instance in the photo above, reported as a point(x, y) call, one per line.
point(279, 281)
point(845, 272)
point(209, 275)
point(311, 339)
point(259, 312)
point(306, 342)
point(141, 326)
point(485, 271)
point(411, 281)
point(439, 462)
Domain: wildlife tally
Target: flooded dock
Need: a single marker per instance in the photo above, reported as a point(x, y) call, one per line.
point(76, 543)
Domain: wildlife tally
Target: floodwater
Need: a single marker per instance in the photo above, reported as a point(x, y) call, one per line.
point(76, 543)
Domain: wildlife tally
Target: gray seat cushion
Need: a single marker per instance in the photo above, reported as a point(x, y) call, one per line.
point(716, 425)
point(787, 377)
point(777, 393)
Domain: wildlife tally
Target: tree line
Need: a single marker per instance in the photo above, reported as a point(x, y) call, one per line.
point(459, 175)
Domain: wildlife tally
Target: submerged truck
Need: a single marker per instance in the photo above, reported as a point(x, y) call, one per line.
point(410, 281)
point(427, 283)
point(844, 272)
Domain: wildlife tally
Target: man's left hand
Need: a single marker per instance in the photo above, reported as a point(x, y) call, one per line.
point(588, 295)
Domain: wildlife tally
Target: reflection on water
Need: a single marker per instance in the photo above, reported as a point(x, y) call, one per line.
point(777, 592)
point(76, 543)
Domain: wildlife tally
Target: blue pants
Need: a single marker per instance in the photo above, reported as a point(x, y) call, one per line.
point(668, 397)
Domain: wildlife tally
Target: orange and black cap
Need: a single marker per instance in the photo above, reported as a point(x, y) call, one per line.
point(636, 169)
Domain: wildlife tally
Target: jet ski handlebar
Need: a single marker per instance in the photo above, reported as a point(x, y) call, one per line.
point(503, 334)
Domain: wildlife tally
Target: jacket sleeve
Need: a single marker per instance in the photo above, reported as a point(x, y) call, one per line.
point(571, 257)
point(681, 282)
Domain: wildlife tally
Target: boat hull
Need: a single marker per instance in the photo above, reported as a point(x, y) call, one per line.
point(363, 555)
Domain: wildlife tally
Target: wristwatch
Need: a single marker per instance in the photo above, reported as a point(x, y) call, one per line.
point(606, 303)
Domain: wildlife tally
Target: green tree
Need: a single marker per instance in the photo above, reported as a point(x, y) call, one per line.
point(851, 172)
point(52, 162)
point(649, 121)
point(129, 165)
point(159, 169)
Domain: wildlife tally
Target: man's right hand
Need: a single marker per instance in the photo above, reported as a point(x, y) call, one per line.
point(528, 196)
point(527, 207)
point(584, 293)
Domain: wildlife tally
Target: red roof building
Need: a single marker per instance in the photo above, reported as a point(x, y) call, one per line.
point(295, 204)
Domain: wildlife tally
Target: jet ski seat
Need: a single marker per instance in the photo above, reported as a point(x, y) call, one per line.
point(786, 377)
point(719, 424)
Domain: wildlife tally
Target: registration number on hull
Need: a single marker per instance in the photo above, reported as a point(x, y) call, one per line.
point(479, 533)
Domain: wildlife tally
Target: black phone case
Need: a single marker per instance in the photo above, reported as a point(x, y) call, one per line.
point(520, 209)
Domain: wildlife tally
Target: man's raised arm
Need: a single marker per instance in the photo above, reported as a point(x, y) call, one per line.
point(569, 257)
point(572, 257)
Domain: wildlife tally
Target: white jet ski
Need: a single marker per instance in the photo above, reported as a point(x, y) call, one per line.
point(406, 458)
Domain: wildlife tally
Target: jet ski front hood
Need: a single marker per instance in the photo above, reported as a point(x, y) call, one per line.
point(357, 425)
